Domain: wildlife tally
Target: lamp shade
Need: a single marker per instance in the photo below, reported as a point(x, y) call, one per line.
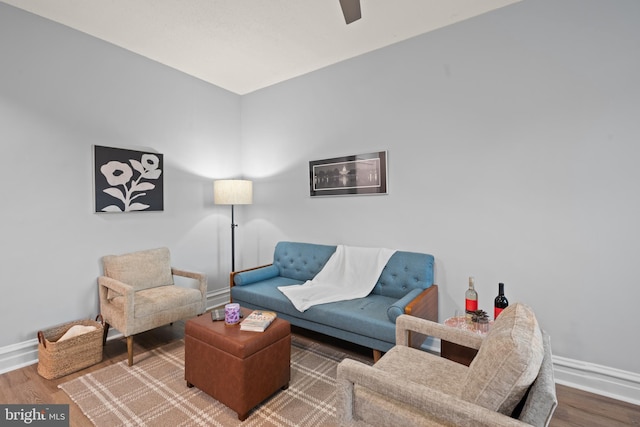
point(232, 192)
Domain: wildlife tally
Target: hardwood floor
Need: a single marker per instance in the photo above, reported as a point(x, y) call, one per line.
point(25, 386)
point(579, 408)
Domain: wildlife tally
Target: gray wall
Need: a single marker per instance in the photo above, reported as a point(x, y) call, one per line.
point(512, 141)
point(513, 157)
point(61, 92)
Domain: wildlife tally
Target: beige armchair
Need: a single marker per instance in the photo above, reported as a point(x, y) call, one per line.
point(509, 382)
point(137, 293)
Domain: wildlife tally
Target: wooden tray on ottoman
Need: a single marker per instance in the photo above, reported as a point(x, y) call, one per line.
point(237, 368)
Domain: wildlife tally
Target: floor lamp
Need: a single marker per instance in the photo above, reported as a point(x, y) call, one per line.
point(232, 192)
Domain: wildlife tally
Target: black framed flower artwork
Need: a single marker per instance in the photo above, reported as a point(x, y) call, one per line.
point(127, 180)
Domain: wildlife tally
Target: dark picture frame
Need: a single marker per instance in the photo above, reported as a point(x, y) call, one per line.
point(349, 175)
point(127, 180)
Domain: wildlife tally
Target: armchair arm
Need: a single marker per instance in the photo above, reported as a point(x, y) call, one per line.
point(200, 277)
point(435, 405)
point(406, 324)
point(107, 283)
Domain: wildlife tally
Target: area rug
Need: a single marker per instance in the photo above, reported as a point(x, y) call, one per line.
point(153, 392)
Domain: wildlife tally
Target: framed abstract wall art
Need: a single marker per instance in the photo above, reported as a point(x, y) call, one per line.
point(349, 175)
point(127, 180)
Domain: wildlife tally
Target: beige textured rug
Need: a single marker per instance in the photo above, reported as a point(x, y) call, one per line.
point(153, 392)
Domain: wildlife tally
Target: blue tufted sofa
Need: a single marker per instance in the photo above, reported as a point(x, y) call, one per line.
point(404, 287)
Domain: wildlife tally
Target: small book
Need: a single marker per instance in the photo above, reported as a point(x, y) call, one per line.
point(257, 321)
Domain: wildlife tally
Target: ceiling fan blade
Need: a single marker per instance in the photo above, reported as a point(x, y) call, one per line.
point(351, 10)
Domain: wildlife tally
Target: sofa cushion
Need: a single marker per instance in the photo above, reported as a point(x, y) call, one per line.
point(142, 270)
point(405, 271)
point(363, 316)
point(301, 261)
point(265, 294)
point(507, 362)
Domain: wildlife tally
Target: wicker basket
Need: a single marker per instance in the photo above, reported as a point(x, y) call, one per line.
point(57, 359)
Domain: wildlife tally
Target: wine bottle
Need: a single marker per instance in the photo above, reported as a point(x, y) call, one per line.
point(470, 300)
point(501, 302)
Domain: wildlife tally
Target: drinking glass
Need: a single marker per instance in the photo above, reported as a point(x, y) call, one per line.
point(457, 320)
point(483, 326)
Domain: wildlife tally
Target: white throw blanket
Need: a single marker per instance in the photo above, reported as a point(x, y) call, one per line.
point(351, 272)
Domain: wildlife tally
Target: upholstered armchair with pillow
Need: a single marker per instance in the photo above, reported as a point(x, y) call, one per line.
point(137, 293)
point(509, 382)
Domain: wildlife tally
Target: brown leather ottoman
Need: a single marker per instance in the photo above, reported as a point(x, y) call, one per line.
point(237, 368)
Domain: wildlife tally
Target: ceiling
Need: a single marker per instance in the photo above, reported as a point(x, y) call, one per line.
point(245, 45)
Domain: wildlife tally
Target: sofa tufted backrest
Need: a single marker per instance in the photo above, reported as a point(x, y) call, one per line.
point(405, 271)
point(301, 261)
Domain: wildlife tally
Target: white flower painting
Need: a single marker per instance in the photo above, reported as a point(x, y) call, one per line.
point(127, 180)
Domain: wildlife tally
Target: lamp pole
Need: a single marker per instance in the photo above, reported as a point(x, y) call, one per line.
point(233, 242)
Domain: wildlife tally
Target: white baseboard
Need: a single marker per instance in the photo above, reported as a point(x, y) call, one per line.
point(598, 379)
point(16, 356)
point(218, 298)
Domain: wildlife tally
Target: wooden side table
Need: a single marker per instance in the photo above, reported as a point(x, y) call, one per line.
point(456, 352)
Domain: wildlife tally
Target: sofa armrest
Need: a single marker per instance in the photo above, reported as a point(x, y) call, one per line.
point(443, 408)
point(200, 277)
point(399, 307)
point(425, 305)
point(407, 324)
point(232, 276)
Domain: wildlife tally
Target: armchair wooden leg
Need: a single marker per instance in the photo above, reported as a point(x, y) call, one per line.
point(377, 354)
point(130, 349)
